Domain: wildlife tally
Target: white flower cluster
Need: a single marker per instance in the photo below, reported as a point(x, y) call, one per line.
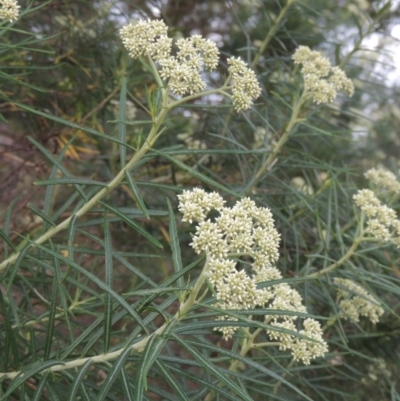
point(9, 10)
point(146, 38)
point(182, 72)
point(382, 220)
point(302, 349)
point(248, 231)
point(383, 178)
point(321, 80)
point(354, 302)
point(149, 38)
point(245, 84)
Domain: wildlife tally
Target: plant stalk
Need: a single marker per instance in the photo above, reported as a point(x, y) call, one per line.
point(273, 155)
point(103, 192)
point(342, 260)
point(140, 345)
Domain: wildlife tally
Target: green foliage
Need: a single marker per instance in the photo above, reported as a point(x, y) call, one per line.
point(101, 295)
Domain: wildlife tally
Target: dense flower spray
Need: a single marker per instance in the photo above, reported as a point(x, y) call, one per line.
point(382, 221)
point(245, 84)
point(242, 248)
point(383, 179)
point(9, 10)
point(182, 71)
point(382, 225)
point(355, 301)
point(321, 80)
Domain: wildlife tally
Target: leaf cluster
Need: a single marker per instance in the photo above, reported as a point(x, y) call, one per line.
point(111, 277)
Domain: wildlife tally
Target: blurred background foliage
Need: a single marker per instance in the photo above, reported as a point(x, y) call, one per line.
point(67, 60)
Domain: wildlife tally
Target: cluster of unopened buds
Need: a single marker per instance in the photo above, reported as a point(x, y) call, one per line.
point(355, 301)
point(321, 80)
point(9, 10)
point(182, 72)
point(382, 221)
point(241, 245)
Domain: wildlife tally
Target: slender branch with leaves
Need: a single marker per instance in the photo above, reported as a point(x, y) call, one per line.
point(229, 267)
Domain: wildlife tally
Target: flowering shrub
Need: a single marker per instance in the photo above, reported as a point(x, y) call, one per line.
point(108, 297)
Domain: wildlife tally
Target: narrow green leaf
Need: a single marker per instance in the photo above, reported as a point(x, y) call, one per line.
point(204, 384)
point(108, 281)
point(10, 343)
point(52, 393)
point(84, 336)
point(210, 152)
point(52, 313)
point(7, 240)
point(15, 267)
point(136, 122)
point(22, 83)
point(135, 192)
point(78, 380)
point(39, 213)
point(149, 355)
point(181, 273)
point(7, 220)
point(66, 205)
point(134, 225)
point(29, 371)
point(175, 246)
point(75, 283)
point(48, 198)
point(88, 130)
point(73, 181)
point(62, 294)
point(122, 260)
point(38, 393)
point(164, 395)
point(113, 374)
point(172, 381)
point(189, 345)
point(95, 280)
point(56, 165)
point(95, 335)
point(121, 125)
point(71, 236)
point(86, 396)
point(150, 101)
point(211, 368)
point(196, 173)
point(136, 212)
point(125, 382)
point(161, 187)
point(155, 291)
point(384, 9)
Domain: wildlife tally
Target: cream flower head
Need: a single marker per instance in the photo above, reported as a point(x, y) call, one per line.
point(321, 80)
point(182, 72)
point(383, 178)
point(382, 221)
point(245, 85)
point(248, 231)
point(9, 10)
point(355, 301)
